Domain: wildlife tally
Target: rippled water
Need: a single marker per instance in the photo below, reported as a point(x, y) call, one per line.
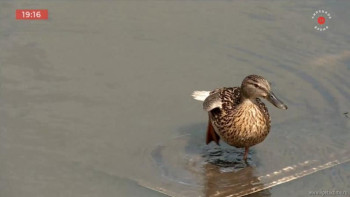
point(96, 100)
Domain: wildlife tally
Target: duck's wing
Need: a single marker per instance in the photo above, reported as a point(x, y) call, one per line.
point(212, 101)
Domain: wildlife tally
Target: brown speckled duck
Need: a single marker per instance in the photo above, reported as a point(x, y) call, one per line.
point(237, 115)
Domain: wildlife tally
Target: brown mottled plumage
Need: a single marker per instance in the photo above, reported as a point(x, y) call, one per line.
point(237, 115)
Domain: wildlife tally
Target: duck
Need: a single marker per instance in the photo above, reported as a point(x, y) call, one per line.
point(237, 115)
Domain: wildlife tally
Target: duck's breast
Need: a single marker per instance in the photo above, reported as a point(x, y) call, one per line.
point(249, 126)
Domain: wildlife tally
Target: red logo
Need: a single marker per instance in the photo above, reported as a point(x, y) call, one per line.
point(321, 20)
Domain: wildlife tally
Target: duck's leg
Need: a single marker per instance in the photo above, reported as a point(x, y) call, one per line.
point(211, 134)
point(246, 150)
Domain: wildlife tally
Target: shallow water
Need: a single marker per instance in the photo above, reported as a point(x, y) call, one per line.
point(96, 100)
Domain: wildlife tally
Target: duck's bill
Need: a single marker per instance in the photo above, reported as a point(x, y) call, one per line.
point(275, 101)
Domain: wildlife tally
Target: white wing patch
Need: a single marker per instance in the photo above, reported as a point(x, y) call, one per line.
point(200, 95)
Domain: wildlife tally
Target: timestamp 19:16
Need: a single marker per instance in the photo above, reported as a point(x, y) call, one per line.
point(32, 14)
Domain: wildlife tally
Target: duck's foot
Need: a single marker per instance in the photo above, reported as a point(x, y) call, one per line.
point(246, 150)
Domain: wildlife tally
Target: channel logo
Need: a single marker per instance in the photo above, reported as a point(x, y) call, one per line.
point(321, 18)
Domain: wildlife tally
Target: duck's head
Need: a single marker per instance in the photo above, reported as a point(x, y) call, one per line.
point(254, 86)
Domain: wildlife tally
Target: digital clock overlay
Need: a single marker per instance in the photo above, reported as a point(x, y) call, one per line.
point(32, 14)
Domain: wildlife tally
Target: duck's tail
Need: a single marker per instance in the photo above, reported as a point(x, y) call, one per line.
point(200, 95)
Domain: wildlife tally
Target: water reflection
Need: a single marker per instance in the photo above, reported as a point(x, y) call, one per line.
point(230, 181)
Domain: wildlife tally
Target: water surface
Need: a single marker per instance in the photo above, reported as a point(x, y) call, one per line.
point(96, 100)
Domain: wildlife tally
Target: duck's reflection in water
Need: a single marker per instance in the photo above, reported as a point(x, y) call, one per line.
point(234, 178)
